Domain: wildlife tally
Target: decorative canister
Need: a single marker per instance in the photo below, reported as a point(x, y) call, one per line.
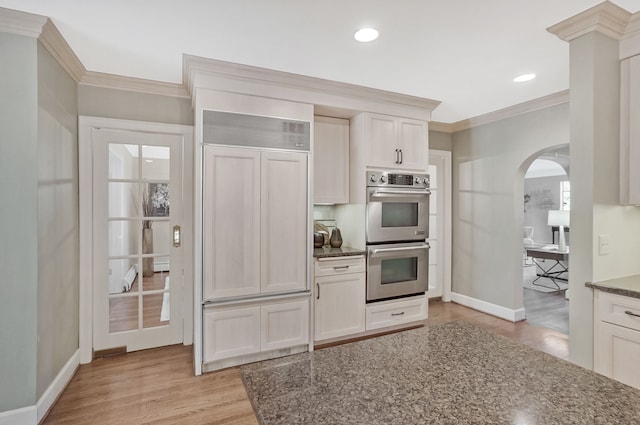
point(336, 238)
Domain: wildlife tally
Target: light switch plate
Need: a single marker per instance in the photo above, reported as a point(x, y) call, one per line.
point(604, 245)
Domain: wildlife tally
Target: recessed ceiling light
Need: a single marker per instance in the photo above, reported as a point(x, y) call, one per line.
point(365, 35)
point(524, 77)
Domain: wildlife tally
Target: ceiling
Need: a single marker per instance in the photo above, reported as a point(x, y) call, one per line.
point(464, 53)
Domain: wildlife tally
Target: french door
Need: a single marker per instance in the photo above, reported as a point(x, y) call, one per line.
point(137, 239)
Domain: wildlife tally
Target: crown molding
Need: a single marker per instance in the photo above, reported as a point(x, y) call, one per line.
point(45, 31)
point(441, 127)
point(55, 43)
point(512, 111)
point(606, 18)
point(21, 23)
point(214, 74)
point(140, 85)
point(630, 43)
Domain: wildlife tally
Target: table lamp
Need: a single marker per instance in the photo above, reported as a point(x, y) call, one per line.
point(560, 219)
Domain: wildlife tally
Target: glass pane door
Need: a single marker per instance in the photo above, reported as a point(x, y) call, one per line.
point(137, 205)
point(139, 235)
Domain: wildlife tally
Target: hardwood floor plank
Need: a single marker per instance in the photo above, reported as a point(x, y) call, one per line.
point(158, 386)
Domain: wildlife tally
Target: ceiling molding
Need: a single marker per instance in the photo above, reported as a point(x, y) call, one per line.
point(512, 111)
point(441, 127)
point(630, 43)
point(606, 18)
point(45, 31)
point(140, 85)
point(55, 43)
point(21, 23)
point(214, 74)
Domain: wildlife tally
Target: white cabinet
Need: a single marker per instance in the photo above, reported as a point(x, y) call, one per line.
point(254, 222)
point(396, 312)
point(630, 131)
point(392, 142)
point(331, 161)
point(233, 331)
point(284, 325)
point(617, 337)
point(339, 297)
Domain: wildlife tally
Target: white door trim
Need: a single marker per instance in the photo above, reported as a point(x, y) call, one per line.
point(446, 220)
point(85, 159)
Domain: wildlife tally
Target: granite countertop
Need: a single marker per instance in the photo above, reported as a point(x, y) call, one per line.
point(452, 373)
point(328, 251)
point(628, 286)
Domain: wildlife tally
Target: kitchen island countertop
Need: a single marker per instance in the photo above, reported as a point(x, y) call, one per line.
point(628, 286)
point(343, 251)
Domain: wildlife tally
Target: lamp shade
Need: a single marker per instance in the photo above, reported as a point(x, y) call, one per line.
point(558, 218)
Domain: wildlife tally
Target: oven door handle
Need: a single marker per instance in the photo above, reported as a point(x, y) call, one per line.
point(400, 248)
point(380, 194)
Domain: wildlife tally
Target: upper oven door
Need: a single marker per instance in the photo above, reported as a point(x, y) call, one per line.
point(397, 214)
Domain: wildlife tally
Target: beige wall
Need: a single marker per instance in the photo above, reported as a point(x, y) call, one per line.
point(58, 231)
point(440, 141)
point(489, 163)
point(18, 224)
point(128, 105)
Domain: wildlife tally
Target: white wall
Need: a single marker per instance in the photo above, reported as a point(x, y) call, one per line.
point(544, 195)
point(489, 163)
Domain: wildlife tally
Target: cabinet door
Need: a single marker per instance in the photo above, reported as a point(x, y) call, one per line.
point(381, 144)
point(413, 144)
point(284, 222)
point(331, 161)
point(617, 353)
point(231, 222)
point(285, 325)
point(340, 305)
point(231, 332)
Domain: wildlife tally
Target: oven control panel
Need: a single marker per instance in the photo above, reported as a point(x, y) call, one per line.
point(390, 178)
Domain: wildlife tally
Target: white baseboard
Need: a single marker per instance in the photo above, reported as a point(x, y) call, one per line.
point(58, 385)
point(486, 307)
point(32, 415)
point(23, 416)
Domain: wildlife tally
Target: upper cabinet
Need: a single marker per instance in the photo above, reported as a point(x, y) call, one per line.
point(630, 131)
point(391, 142)
point(331, 161)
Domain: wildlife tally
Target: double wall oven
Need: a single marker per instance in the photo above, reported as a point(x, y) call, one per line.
point(397, 226)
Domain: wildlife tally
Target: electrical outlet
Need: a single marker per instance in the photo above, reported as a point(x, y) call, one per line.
point(604, 245)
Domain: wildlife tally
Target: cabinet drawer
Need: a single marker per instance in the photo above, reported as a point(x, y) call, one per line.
point(391, 313)
point(619, 310)
point(339, 265)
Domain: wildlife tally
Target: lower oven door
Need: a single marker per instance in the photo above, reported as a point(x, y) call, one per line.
point(396, 270)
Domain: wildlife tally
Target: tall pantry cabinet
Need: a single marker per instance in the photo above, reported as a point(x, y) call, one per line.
point(255, 228)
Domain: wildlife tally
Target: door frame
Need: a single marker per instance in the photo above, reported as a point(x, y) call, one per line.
point(446, 220)
point(86, 125)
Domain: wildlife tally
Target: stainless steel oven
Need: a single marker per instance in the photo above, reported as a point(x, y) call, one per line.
point(396, 270)
point(397, 226)
point(397, 207)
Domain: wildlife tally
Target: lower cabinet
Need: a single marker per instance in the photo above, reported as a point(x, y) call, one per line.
point(396, 312)
point(235, 331)
point(617, 337)
point(339, 297)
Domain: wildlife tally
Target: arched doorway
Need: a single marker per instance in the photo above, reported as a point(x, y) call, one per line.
point(545, 280)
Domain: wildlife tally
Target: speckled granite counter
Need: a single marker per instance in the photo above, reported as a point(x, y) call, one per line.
point(452, 373)
point(327, 251)
point(628, 286)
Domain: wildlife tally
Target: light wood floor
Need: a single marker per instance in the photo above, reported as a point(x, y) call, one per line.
point(158, 387)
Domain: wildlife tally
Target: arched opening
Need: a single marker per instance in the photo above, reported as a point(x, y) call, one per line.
point(547, 196)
